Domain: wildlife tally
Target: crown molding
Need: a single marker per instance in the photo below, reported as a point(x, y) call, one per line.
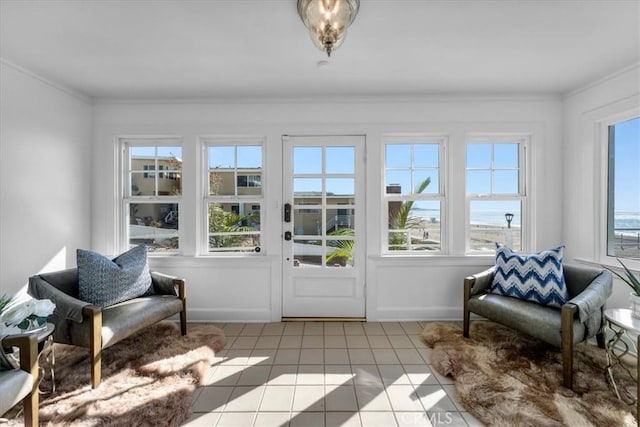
point(62, 88)
point(602, 80)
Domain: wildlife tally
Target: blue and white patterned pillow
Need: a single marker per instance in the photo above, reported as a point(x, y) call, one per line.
point(536, 277)
point(104, 282)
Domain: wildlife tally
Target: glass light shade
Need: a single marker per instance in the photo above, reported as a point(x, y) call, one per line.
point(328, 20)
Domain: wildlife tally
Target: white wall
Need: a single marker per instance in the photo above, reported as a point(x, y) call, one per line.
point(584, 204)
point(406, 288)
point(45, 211)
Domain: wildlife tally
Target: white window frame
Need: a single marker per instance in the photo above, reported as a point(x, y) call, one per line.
point(226, 141)
point(524, 142)
point(605, 210)
point(415, 139)
point(127, 198)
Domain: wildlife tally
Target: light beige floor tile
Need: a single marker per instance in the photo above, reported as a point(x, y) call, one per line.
point(385, 356)
point(340, 398)
point(366, 375)
point(420, 374)
point(441, 419)
point(287, 356)
point(273, 329)
point(418, 341)
point(392, 328)
point(471, 420)
point(412, 419)
point(268, 341)
point(225, 375)
point(412, 328)
point(393, 374)
point(313, 328)
point(378, 419)
point(291, 341)
point(313, 341)
point(408, 356)
point(311, 356)
point(310, 375)
point(235, 419)
point(254, 375)
point(262, 356)
point(400, 341)
point(252, 329)
point(373, 328)
point(333, 328)
point(343, 419)
point(372, 398)
point(425, 353)
point(283, 375)
point(435, 399)
point(307, 419)
point(272, 419)
point(293, 328)
point(244, 399)
point(361, 356)
point(353, 328)
point(404, 398)
point(335, 341)
point(277, 398)
point(338, 374)
point(207, 419)
point(212, 399)
point(236, 357)
point(379, 341)
point(336, 356)
point(308, 398)
point(233, 329)
point(357, 341)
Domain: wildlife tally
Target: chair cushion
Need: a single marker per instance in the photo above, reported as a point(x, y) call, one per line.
point(105, 282)
point(536, 277)
point(15, 385)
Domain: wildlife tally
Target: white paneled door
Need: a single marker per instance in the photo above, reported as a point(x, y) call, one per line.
point(323, 226)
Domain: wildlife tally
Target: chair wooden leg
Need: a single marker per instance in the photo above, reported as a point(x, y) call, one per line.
point(95, 344)
point(30, 405)
point(465, 321)
point(183, 321)
point(568, 312)
point(468, 283)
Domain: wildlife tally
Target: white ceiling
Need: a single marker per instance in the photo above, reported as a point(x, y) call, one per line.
point(260, 48)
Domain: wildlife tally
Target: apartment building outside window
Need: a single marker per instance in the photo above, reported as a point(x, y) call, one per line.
point(234, 196)
point(152, 198)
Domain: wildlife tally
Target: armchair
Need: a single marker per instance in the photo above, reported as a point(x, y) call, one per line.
point(21, 384)
point(81, 324)
point(579, 319)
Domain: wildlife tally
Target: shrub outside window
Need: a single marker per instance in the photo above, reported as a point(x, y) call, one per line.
point(495, 191)
point(234, 195)
point(152, 195)
point(413, 196)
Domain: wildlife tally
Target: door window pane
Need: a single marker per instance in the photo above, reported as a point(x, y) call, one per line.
point(307, 160)
point(340, 160)
point(340, 253)
point(307, 222)
point(307, 253)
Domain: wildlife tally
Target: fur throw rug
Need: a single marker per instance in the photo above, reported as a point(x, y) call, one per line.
point(148, 379)
point(505, 378)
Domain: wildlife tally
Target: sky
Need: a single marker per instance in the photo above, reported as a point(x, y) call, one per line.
point(627, 166)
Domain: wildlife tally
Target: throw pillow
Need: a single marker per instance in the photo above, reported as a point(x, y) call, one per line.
point(536, 277)
point(104, 282)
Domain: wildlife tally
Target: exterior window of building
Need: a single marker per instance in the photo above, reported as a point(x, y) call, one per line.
point(234, 196)
point(495, 188)
point(413, 196)
point(152, 203)
point(623, 199)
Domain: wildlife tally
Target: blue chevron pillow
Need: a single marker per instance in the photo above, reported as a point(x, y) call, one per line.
point(536, 277)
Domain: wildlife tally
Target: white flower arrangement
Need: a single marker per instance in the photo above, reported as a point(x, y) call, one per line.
point(20, 317)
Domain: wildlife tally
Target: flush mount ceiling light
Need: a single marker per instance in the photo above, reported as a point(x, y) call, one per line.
point(327, 21)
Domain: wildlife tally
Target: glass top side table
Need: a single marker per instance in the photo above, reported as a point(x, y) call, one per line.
point(620, 322)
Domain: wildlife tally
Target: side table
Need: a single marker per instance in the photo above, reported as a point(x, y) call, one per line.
point(620, 322)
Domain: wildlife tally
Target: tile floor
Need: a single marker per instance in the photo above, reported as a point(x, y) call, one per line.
point(326, 374)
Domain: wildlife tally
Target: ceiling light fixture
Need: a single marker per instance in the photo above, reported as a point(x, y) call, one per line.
point(327, 21)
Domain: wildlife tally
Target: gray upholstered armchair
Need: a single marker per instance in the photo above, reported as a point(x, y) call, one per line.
point(580, 318)
point(21, 384)
point(82, 324)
